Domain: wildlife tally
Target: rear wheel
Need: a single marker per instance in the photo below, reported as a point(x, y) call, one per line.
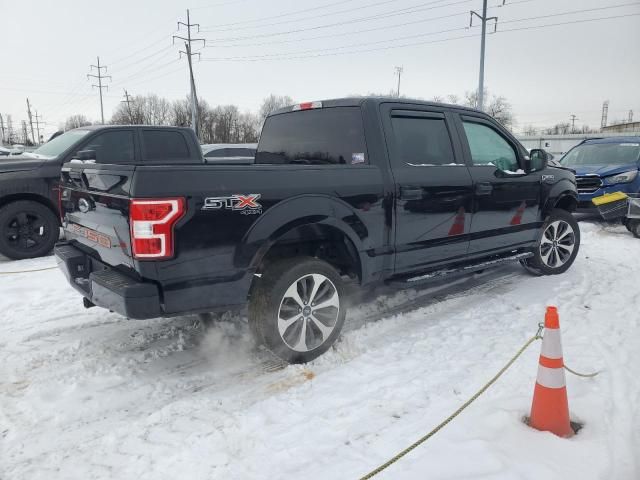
point(557, 246)
point(27, 230)
point(297, 308)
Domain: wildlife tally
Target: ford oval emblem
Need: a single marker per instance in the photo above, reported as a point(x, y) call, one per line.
point(83, 205)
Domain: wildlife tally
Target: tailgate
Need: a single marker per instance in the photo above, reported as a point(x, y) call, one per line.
point(94, 201)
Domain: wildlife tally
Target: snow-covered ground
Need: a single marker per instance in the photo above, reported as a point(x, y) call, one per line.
point(85, 394)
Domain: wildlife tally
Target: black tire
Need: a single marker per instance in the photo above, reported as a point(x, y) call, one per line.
point(553, 256)
point(28, 229)
point(270, 303)
point(634, 227)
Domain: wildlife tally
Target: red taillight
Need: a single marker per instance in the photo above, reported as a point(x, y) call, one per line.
point(151, 222)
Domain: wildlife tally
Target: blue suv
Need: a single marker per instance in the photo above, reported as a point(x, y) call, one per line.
point(604, 165)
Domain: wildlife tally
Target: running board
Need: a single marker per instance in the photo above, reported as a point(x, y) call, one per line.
point(461, 271)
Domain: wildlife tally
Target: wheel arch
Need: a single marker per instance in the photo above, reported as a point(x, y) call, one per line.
point(309, 225)
point(33, 197)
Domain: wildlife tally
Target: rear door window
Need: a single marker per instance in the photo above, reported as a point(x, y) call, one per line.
point(422, 141)
point(114, 146)
point(164, 145)
point(324, 136)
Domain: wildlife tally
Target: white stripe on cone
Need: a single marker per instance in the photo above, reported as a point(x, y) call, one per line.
point(551, 377)
point(551, 345)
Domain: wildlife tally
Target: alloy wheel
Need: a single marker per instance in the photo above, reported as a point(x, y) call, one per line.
point(557, 244)
point(308, 312)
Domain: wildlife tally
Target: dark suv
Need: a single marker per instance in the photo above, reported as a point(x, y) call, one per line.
point(361, 190)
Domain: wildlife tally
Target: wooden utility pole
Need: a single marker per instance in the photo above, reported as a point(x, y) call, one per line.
point(33, 139)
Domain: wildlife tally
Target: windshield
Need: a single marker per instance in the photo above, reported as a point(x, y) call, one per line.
point(58, 145)
point(602, 154)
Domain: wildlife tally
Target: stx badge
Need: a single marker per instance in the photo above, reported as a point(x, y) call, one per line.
point(245, 204)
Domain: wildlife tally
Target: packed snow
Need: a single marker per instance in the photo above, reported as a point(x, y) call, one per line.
point(87, 394)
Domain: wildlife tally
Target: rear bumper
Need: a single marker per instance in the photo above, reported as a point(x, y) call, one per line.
point(106, 287)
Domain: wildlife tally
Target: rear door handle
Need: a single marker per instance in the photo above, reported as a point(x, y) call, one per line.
point(411, 193)
point(484, 188)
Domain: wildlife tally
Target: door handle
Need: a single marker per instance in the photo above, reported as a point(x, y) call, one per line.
point(411, 193)
point(484, 188)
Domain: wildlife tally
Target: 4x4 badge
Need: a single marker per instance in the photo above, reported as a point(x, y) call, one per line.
point(245, 204)
point(548, 178)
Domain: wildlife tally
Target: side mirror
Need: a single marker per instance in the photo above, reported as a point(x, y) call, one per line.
point(85, 155)
point(538, 160)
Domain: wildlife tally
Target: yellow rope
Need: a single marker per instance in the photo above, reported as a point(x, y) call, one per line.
point(28, 271)
point(454, 414)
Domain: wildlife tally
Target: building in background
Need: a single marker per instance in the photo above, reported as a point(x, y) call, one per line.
point(629, 127)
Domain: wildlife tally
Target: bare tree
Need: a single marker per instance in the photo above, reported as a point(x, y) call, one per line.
point(453, 98)
point(530, 131)
point(437, 98)
point(272, 103)
point(500, 109)
point(76, 121)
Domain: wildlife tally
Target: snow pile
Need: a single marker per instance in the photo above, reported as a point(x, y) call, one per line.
point(85, 394)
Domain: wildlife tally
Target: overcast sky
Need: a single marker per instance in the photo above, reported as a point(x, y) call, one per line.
point(305, 49)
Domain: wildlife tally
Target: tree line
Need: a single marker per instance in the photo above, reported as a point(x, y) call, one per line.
point(219, 124)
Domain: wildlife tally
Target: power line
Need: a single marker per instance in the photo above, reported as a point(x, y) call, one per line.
point(286, 56)
point(128, 102)
point(99, 76)
point(287, 14)
point(313, 17)
point(393, 13)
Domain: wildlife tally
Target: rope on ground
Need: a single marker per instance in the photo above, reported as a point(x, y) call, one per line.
point(28, 271)
point(584, 375)
point(419, 442)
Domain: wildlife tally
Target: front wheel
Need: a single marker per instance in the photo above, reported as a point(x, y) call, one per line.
point(297, 308)
point(557, 246)
point(634, 227)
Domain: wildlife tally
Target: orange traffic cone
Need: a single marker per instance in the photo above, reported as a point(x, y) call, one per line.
point(458, 223)
point(517, 218)
point(550, 407)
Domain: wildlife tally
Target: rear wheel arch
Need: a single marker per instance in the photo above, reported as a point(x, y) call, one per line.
point(33, 197)
point(324, 238)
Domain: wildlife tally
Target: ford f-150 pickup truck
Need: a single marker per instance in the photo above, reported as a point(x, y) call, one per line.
point(356, 190)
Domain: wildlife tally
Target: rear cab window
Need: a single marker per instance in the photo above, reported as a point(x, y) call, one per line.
point(322, 136)
point(165, 145)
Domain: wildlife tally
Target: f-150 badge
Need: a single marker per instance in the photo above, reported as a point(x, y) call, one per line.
point(245, 204)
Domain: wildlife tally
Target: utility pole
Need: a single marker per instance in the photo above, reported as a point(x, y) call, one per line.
point(630, 116)
point(187, 51)
point(1, 130)
point(25, 133)
point(484, 19)
point(99, 76)
point(128, 102)
point(605, 112)
point(573, 123)
point(30, 122)
point(399, 71)
point(38, 122)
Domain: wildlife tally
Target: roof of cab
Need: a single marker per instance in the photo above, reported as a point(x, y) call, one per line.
point(358, 101)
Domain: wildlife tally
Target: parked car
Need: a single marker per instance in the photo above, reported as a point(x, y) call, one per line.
point(229, 152)
point(4, 152)
point(29, 218)
point(604, 165)
point(361, 190)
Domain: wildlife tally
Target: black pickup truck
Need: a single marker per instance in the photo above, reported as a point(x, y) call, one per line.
point(359, 190)
point(29, 217)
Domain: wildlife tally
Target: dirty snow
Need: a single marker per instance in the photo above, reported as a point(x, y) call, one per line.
point(85, 394)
